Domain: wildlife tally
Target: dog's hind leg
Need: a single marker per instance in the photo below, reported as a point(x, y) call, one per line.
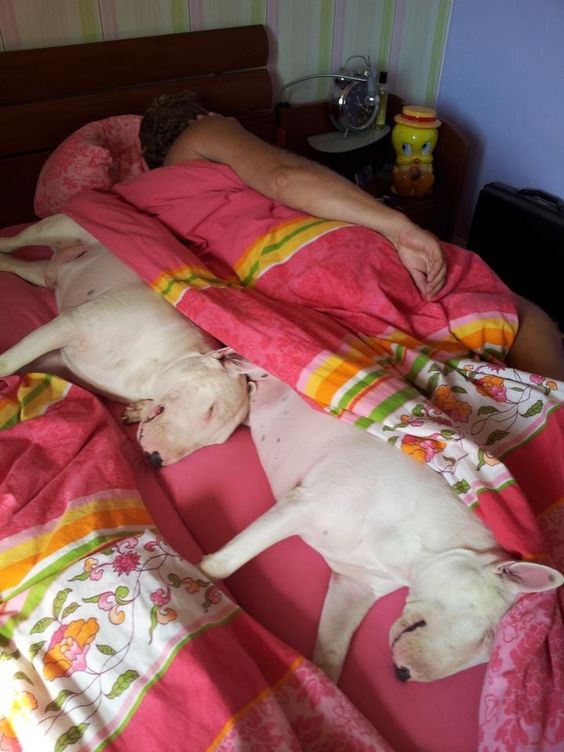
point(282, 520)
point(346, 604)
point(52, 336)
point(57, 232)
point(31, 271)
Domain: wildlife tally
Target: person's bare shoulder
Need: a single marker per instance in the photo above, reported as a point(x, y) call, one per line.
point(208, 137)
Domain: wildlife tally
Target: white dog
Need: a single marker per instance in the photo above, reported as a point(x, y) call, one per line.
point(121, 339)
point(382, 521)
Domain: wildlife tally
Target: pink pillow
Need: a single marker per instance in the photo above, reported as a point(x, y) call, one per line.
point(93, 158)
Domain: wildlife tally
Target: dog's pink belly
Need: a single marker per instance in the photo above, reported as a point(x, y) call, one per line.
point(283, 425)
point(81, 275)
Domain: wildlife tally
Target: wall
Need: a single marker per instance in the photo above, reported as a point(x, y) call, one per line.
point(309, 36)
point(502, 81)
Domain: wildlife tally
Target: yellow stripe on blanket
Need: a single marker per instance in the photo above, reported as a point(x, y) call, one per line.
point(36, 393)
point(484, 334)
point(79, 526)
point(329, 377)
point(172, 284)
point(280, 244)
point(339, 383)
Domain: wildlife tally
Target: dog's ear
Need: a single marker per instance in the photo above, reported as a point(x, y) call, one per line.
point(529, 577)
point(237, 365)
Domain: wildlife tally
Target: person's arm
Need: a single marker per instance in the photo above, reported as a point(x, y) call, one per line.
point(538, 346)
point(311, 188)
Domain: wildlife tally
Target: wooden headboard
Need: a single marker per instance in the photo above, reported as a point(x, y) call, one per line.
point(46, 94)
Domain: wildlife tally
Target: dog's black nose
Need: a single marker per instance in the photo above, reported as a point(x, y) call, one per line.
point(402, 672)
point(154, 458)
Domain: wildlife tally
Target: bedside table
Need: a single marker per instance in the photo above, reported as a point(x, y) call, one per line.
point(370, 166)
point(355, 155)
point(436, 212)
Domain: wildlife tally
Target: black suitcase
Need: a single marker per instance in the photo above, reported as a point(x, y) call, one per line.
point(520, 234)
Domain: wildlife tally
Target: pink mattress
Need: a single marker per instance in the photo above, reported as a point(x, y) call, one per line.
point(202, 501)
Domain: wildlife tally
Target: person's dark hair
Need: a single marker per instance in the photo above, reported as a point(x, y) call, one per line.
point(165, 119)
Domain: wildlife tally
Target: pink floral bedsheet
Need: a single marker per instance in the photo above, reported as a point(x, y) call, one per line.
point(328, 308)
point(108, 638)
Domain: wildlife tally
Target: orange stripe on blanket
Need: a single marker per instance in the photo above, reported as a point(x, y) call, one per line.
point(329, 377)
point(173, 283)
point(253, 703)
point(551, 508)
point(360, 350)
point(36, 537)
point(337, 372)
point(35, 394)
point(481, 334)
point(13, 570)
point(279, 244)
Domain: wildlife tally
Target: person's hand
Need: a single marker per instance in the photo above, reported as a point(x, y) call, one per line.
point(421, 254)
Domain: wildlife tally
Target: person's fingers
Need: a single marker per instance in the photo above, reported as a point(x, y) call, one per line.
point(433, 290)
point(420, 281)
point(428, 284)
point(437, 275)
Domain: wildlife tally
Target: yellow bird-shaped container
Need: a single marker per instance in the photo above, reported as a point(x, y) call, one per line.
point(414, 137)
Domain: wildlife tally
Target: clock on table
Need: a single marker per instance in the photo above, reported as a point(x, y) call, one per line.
point(353, 104)
point(353, 97)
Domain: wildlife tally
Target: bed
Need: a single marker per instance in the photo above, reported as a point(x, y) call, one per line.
point(109, 637)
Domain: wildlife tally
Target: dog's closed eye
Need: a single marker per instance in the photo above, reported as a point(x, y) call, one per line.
point(411, 628)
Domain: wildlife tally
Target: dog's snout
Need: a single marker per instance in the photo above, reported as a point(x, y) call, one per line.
point(154, 458)
point(403, 673)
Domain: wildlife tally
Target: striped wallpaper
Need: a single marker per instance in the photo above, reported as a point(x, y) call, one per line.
point(406, 37)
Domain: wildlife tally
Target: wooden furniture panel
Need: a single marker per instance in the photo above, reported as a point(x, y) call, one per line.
point(29, 75)
point(46, 94)
point(44, 124)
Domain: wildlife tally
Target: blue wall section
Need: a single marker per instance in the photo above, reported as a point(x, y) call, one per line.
point(503, 83)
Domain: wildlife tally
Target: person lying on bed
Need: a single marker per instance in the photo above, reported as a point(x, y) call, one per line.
point(177, 128)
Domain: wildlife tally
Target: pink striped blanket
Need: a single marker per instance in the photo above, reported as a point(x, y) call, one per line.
point(108, 638)
point(328, 308)
point(103, 627)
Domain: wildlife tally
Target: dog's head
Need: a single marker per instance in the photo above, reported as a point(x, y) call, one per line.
point(200, 404)
point(452, 613)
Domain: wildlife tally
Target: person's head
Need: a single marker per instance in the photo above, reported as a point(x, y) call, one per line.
point(165, 119)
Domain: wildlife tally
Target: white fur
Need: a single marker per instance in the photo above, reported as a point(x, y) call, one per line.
point(118, 337)
point(382, 521)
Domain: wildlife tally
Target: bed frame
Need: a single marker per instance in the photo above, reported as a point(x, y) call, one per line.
point(46, 94)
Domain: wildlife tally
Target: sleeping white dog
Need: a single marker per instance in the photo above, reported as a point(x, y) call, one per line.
point(119, 338)
point(382, 521)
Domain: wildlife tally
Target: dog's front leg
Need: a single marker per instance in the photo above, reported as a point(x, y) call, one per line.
point(282, 520)
point(346, 604)
point(52, 336)
point(136, 412)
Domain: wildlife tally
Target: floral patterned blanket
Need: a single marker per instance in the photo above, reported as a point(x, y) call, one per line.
point(108, 638)
point(328, 308)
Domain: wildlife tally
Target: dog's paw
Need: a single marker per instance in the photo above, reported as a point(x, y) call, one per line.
point(5, 367)
point(6, 262)
point(136, 411)
point(215, 566)
point(328, 661)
